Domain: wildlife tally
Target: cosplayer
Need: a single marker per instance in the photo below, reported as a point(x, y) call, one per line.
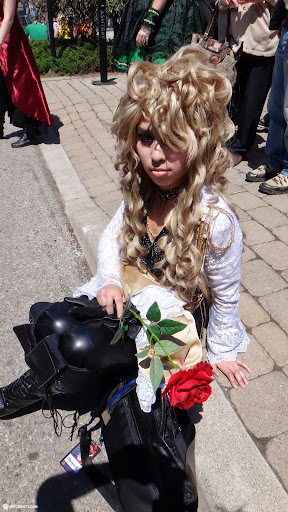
point(21, 92)
point(154, 30)
point(173, 241)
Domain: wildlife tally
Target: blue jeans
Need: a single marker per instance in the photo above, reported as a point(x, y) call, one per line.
point(277, 140)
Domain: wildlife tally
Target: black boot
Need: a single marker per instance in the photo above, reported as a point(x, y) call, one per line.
point(29, 136)
point(67, 347)
point(22, 392)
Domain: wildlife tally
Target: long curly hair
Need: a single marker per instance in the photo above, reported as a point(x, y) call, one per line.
point(186, 100)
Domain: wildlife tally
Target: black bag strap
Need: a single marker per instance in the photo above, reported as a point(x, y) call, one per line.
point(212, 21)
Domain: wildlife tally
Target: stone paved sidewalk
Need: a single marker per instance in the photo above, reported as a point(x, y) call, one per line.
point(83, 113)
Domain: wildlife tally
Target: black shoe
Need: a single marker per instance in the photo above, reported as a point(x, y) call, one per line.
point(263, 124)
point(262, 173)
point(20, 393)
point(23, 141)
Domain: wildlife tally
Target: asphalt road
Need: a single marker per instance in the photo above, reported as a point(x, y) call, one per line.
point(40, 260)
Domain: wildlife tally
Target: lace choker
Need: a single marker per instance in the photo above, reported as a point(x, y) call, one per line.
point(165, 195)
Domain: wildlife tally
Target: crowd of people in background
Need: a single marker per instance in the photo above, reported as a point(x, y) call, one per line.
point(155, 30)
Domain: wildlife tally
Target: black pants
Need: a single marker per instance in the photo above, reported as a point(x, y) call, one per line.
point(5, 100)
point(254, 78)
point(147, 455)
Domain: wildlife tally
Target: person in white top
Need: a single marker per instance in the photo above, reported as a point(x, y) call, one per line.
point(174, 241)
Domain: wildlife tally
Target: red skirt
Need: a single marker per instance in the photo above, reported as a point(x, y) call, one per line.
point(21, 75)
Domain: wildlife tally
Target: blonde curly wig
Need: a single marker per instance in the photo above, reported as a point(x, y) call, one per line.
point(186, 100)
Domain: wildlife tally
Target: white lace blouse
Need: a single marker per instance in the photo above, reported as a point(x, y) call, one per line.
point(226, 335)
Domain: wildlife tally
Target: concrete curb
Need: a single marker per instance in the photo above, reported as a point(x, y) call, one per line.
point(232, 474)
point(85, 217)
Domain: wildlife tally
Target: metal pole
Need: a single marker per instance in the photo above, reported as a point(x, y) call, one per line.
point(102, 39)
point(50, 28)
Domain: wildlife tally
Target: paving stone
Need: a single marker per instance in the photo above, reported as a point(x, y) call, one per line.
point(83, 166)
point(96, 181)
point(100, 107)
point(104, 159)
point(252, 188)
point(88, 173)
point(251, 313)
point(255, 233)
point(269, 217)
point(263, 404)
point(74, 117)
point(83, 157)
point(111, 207)
point(285, 369)
point(75, 145)
point(279, 202)
point(73, 138)
point(233, 189)
point(281, 233)
point(102, 193)
point(274, 253)
point(241, 214)
point(78, 123)
point(275, 304)
point(285, 275)
point(247, 254)
point(247, 201)
point(106, 198)
point(259, 279)
point(86, 115)
point(257, 359)
point(274, 340)
point(83, 132)
point(276, 453)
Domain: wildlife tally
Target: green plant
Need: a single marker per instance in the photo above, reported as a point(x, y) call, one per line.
point(157, 347)
point(73, 56)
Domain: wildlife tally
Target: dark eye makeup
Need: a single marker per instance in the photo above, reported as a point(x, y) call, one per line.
point(145, 138)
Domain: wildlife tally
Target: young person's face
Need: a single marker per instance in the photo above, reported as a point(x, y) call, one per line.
point(166, 168)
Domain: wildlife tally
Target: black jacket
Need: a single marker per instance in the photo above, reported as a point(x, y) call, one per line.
point(279, 17)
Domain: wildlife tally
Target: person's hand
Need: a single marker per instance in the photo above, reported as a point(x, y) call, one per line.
point(233, 371)
point(142, 37)
point(107, 295)
point(230, 3)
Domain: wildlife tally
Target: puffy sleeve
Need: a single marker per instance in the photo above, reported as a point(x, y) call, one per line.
point(226, 335)
point(108, 268)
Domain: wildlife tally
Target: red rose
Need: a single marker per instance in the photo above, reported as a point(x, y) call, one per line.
point(190, 387)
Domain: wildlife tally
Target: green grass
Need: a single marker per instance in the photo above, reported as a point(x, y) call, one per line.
point(73, 56)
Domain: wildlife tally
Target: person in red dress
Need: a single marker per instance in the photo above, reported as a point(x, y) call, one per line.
point(21, 91)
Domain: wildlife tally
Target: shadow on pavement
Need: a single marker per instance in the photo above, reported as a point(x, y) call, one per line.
point(57, 493)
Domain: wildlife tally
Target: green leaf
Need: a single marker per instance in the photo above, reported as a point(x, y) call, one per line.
point(169, 346)
point(156, 372)
point(117, 336)
point(155, 330)
point(170, 327)
point(153, 314)
point(144, 353)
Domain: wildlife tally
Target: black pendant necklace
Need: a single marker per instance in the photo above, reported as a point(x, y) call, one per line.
point(165, 195)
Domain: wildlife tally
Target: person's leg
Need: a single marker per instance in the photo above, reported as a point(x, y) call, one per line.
point(277, 141)
point(67, 347)
point(275, 146)
point(30, 133)
point(146, 453)
point(3, 103)
point(255, 81)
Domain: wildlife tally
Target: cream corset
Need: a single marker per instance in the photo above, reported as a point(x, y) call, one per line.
point(144, 289)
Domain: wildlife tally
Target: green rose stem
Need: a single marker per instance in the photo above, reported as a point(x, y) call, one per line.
point(154, 336)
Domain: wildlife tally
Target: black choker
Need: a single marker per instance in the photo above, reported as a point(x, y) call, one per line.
point(165, 195)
